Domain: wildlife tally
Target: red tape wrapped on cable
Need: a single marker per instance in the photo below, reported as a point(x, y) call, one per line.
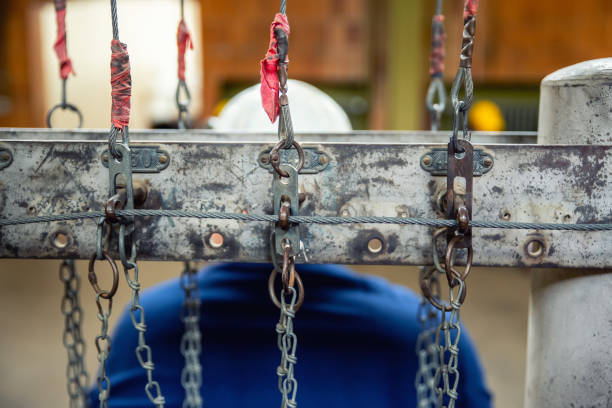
point(121, 84)
point(471, 8)
point(184, 40)
point(436, 58)
point(269, 75)
point(60, 42)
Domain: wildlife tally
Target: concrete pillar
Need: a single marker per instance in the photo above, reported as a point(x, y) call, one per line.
point(569, 341)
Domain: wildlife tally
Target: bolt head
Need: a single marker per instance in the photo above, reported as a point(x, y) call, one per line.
point(264, 159)
point(163, 159)
point(105, 157)
point(323, 159)
point(427, 160)
point(487, 161)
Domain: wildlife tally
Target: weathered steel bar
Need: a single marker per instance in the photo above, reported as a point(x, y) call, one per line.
point(361, 173)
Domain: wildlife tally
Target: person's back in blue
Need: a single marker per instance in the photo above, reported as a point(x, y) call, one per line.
point(356, 343)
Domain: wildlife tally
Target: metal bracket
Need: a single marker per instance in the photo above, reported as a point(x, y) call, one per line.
point(145, 159)
point(435, 162)
point(315, 160)
point(286, 189)
point(122, 167)
point(6, 157)
point(459, 184)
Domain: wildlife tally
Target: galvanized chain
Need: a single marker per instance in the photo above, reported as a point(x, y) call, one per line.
point(448, 335)
point(426, 346)
point(76, 374)
point(436, 89)
point(287, 344)
point(137, 315)
point(191, 342)
point(103, 340)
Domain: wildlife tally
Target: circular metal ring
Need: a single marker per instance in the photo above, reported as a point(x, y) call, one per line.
point(434, 248)
point(300, 289)
point(93, 278)
point(64, 106)
point(425, 284)
point(274, 158)
point(288, 273)
point(451, 272)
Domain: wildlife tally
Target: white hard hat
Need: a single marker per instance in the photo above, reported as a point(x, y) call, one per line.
point(312, 110)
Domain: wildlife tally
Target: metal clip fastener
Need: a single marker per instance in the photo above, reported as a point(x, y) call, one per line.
point(459, 192)
point(286, 203)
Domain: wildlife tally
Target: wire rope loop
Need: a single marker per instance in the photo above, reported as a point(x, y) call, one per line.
point(463, 79)
point(452, 274)
point(274, 157)
point(64, 106)
point(435, 91)
point(112, 141)
point(93, 278)
point(460, 118)
point(299, 288)
point(182, 104)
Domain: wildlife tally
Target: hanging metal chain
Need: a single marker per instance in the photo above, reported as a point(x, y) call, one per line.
point(137, 315)
point(103, 340)
point(76, 374)
point(289, 302)
point(436, 88)
point(448, 335)
point(191, 342)
point(426, 346)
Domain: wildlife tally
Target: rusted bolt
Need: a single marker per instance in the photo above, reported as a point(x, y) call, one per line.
point(31, 210)
point(141, 192)
point(60, 239)
point(163, 159)
point(345, 213)
point(567, 218)
point(264, 159)
point(487, 161)
point(427, 160)
point(105, 157)
point(375, 245)
point(215, 240)
point(505, 215)
point(4, 156)
point(535, 248)
point(323, 159)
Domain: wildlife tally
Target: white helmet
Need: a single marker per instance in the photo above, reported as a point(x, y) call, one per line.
point(312, 110)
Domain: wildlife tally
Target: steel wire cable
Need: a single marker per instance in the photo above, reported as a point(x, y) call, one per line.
point(308, 219)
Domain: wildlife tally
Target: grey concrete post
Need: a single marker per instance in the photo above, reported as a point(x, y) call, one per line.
point(569, 341)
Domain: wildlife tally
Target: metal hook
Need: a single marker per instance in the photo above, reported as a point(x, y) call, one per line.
point(274, 157)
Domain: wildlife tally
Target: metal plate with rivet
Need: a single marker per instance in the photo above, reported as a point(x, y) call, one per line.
point(145, 159)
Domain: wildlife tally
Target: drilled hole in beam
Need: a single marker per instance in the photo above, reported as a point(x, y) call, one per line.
point(215, 240)
point(60, 240)
point(375, 245)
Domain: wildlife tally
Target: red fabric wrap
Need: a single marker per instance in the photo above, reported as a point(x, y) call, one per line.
point(436, 58)
point(183, 40)
point(60, 43)
point(121, 84)
point(269, 76)
point(471, 8)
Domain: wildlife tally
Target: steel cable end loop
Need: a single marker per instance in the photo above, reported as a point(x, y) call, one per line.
point(435, 91)
point(93, 278)
point(64, 106)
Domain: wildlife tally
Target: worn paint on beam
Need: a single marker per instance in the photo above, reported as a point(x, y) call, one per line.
point(368, 174)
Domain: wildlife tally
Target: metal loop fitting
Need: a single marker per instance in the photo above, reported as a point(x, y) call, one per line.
point(112, 141)
point(63, 105)
point(452, 274)
point(274, 157)
point(299, 288)
point(93, 278)
point(436, 90)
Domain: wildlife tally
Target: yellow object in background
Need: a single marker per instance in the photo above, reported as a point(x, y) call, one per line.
point(486, 116)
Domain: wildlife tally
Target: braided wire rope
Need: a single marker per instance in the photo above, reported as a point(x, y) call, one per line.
point(308, 219)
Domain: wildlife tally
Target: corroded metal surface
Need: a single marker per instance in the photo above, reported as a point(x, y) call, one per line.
point(367, 174)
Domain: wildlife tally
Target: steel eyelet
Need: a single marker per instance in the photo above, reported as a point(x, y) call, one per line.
point(300, 289)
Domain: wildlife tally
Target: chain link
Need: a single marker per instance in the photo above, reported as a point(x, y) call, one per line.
point(191, 343)
point(287, 344)
point(426, 346)
point(137, 315)
point(103, 345)
point(72, 338)
point(448, 334)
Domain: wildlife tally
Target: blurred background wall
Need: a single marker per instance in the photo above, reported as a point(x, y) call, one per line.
point(369, 55)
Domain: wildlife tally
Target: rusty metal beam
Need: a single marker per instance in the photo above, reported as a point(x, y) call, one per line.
point(361, 173)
